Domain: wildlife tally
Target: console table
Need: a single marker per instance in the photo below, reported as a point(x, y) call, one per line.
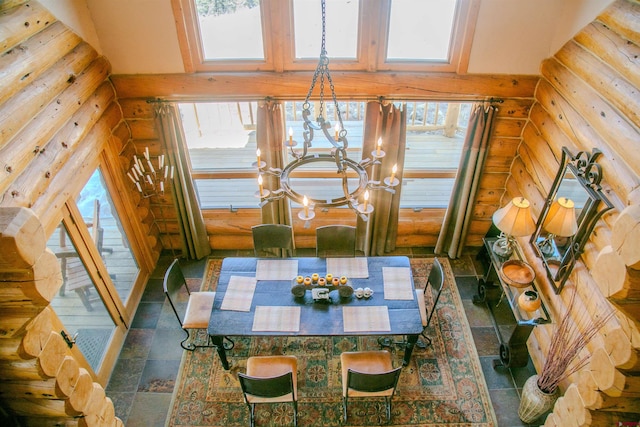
point(493, 290)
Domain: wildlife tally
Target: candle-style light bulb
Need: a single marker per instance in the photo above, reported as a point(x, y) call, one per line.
point(393, 173)
point(337, 131)
point(260, 185)
point(305, 203)
point(366, 199)
point(258, 154)
point(290, 136)
point(379, 146)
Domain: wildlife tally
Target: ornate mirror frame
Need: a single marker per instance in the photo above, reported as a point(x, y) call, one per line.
point(590, 204)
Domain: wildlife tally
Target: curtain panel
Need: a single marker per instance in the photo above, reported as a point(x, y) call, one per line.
point(460, 209)
point(377, 236)
point(270, 136)
point(195, 241)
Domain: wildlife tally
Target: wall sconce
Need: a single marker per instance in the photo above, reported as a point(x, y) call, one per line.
point(513, 220)
point(560, 221)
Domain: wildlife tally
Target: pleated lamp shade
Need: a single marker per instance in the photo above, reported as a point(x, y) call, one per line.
point(561, 218)
point(515, 218)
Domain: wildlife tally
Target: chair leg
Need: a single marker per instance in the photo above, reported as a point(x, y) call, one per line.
point(344, 408)
point(388, 402)
point(252, 408)
point(187, 346)
point(295, 413)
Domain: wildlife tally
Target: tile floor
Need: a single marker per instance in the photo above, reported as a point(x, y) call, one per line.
point(143, 379)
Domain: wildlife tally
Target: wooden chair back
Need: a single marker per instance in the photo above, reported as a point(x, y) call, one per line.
point(273, 240)
point(336, 241)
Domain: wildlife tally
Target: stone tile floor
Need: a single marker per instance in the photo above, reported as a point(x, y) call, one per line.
point(142, 382)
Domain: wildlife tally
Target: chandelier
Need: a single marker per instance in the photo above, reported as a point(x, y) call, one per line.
point(337, 155)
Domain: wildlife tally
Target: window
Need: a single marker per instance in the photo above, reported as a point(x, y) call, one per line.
point(285, 35)
point(341, 28)
point(220, 20)
point(420, 30)
point(221, 140)
point(435, 135)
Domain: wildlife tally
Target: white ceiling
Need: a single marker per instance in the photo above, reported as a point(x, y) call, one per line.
point(511, 36)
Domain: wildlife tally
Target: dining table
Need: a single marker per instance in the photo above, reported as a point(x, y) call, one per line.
point(262, 297)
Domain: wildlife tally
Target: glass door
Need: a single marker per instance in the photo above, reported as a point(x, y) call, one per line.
point(99, 271)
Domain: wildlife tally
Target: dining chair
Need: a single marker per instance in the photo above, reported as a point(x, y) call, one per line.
point(270, 379)
point(335, 241)
point(270, 239)
point(368, 374)
point(436, 280)
point(192, 309)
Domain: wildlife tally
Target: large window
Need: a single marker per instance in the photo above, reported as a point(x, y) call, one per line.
point(284, 35)
point(221, 139)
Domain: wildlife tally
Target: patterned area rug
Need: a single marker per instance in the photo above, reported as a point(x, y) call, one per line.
point(442, 386)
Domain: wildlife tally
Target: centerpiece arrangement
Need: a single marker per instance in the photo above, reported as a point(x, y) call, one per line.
point(321, 286)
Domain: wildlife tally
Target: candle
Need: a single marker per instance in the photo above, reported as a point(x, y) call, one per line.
point(131, 177)
point(337, 131)
point(379, 146)
point(290, 136)
point(258, 154)
point(137, 166)
point(172, 172)
point(166, 171)
point(366, 200)
point(139, 188)
point(160, 161)
point(260, 184)
point(162, 186)
point(135, 174)
point(146, 153)
point(393, 173)
point(149, 179)
point(305, 202)
point(151, 167)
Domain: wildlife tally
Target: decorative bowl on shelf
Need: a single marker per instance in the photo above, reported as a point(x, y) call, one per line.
point(517, 273)
point(529, 300)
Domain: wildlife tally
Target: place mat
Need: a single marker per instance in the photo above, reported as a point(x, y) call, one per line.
point(280, 269)
point(356, 268)
point(366, 319)
point(276, 319)
point(397, 283)
point(239, 293)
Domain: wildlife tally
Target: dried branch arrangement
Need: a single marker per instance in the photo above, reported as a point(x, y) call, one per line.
point(566, 343)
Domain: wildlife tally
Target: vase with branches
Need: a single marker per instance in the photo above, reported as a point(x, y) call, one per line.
point(571, 335)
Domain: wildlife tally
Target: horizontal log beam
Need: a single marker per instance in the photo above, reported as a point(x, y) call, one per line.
point(291, 85)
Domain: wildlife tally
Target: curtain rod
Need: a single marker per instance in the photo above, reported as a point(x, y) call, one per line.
point(352, 99)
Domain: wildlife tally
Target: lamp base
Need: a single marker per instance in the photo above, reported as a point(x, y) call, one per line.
point(547, 247)
point(503, 247)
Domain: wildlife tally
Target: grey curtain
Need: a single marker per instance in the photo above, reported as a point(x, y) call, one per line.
point(460, 211)
point(195, 242)
point(270, 137)
point(378, 235)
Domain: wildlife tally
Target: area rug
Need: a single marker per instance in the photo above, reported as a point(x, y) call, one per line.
point(442, 386)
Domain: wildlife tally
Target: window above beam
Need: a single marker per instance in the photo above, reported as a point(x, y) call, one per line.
point(363, 35)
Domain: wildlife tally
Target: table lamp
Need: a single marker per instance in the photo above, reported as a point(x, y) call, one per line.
point(513, 220)
point(560, 221)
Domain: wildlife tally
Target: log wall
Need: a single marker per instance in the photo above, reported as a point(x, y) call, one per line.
point(589, 98)
point(58, 115)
